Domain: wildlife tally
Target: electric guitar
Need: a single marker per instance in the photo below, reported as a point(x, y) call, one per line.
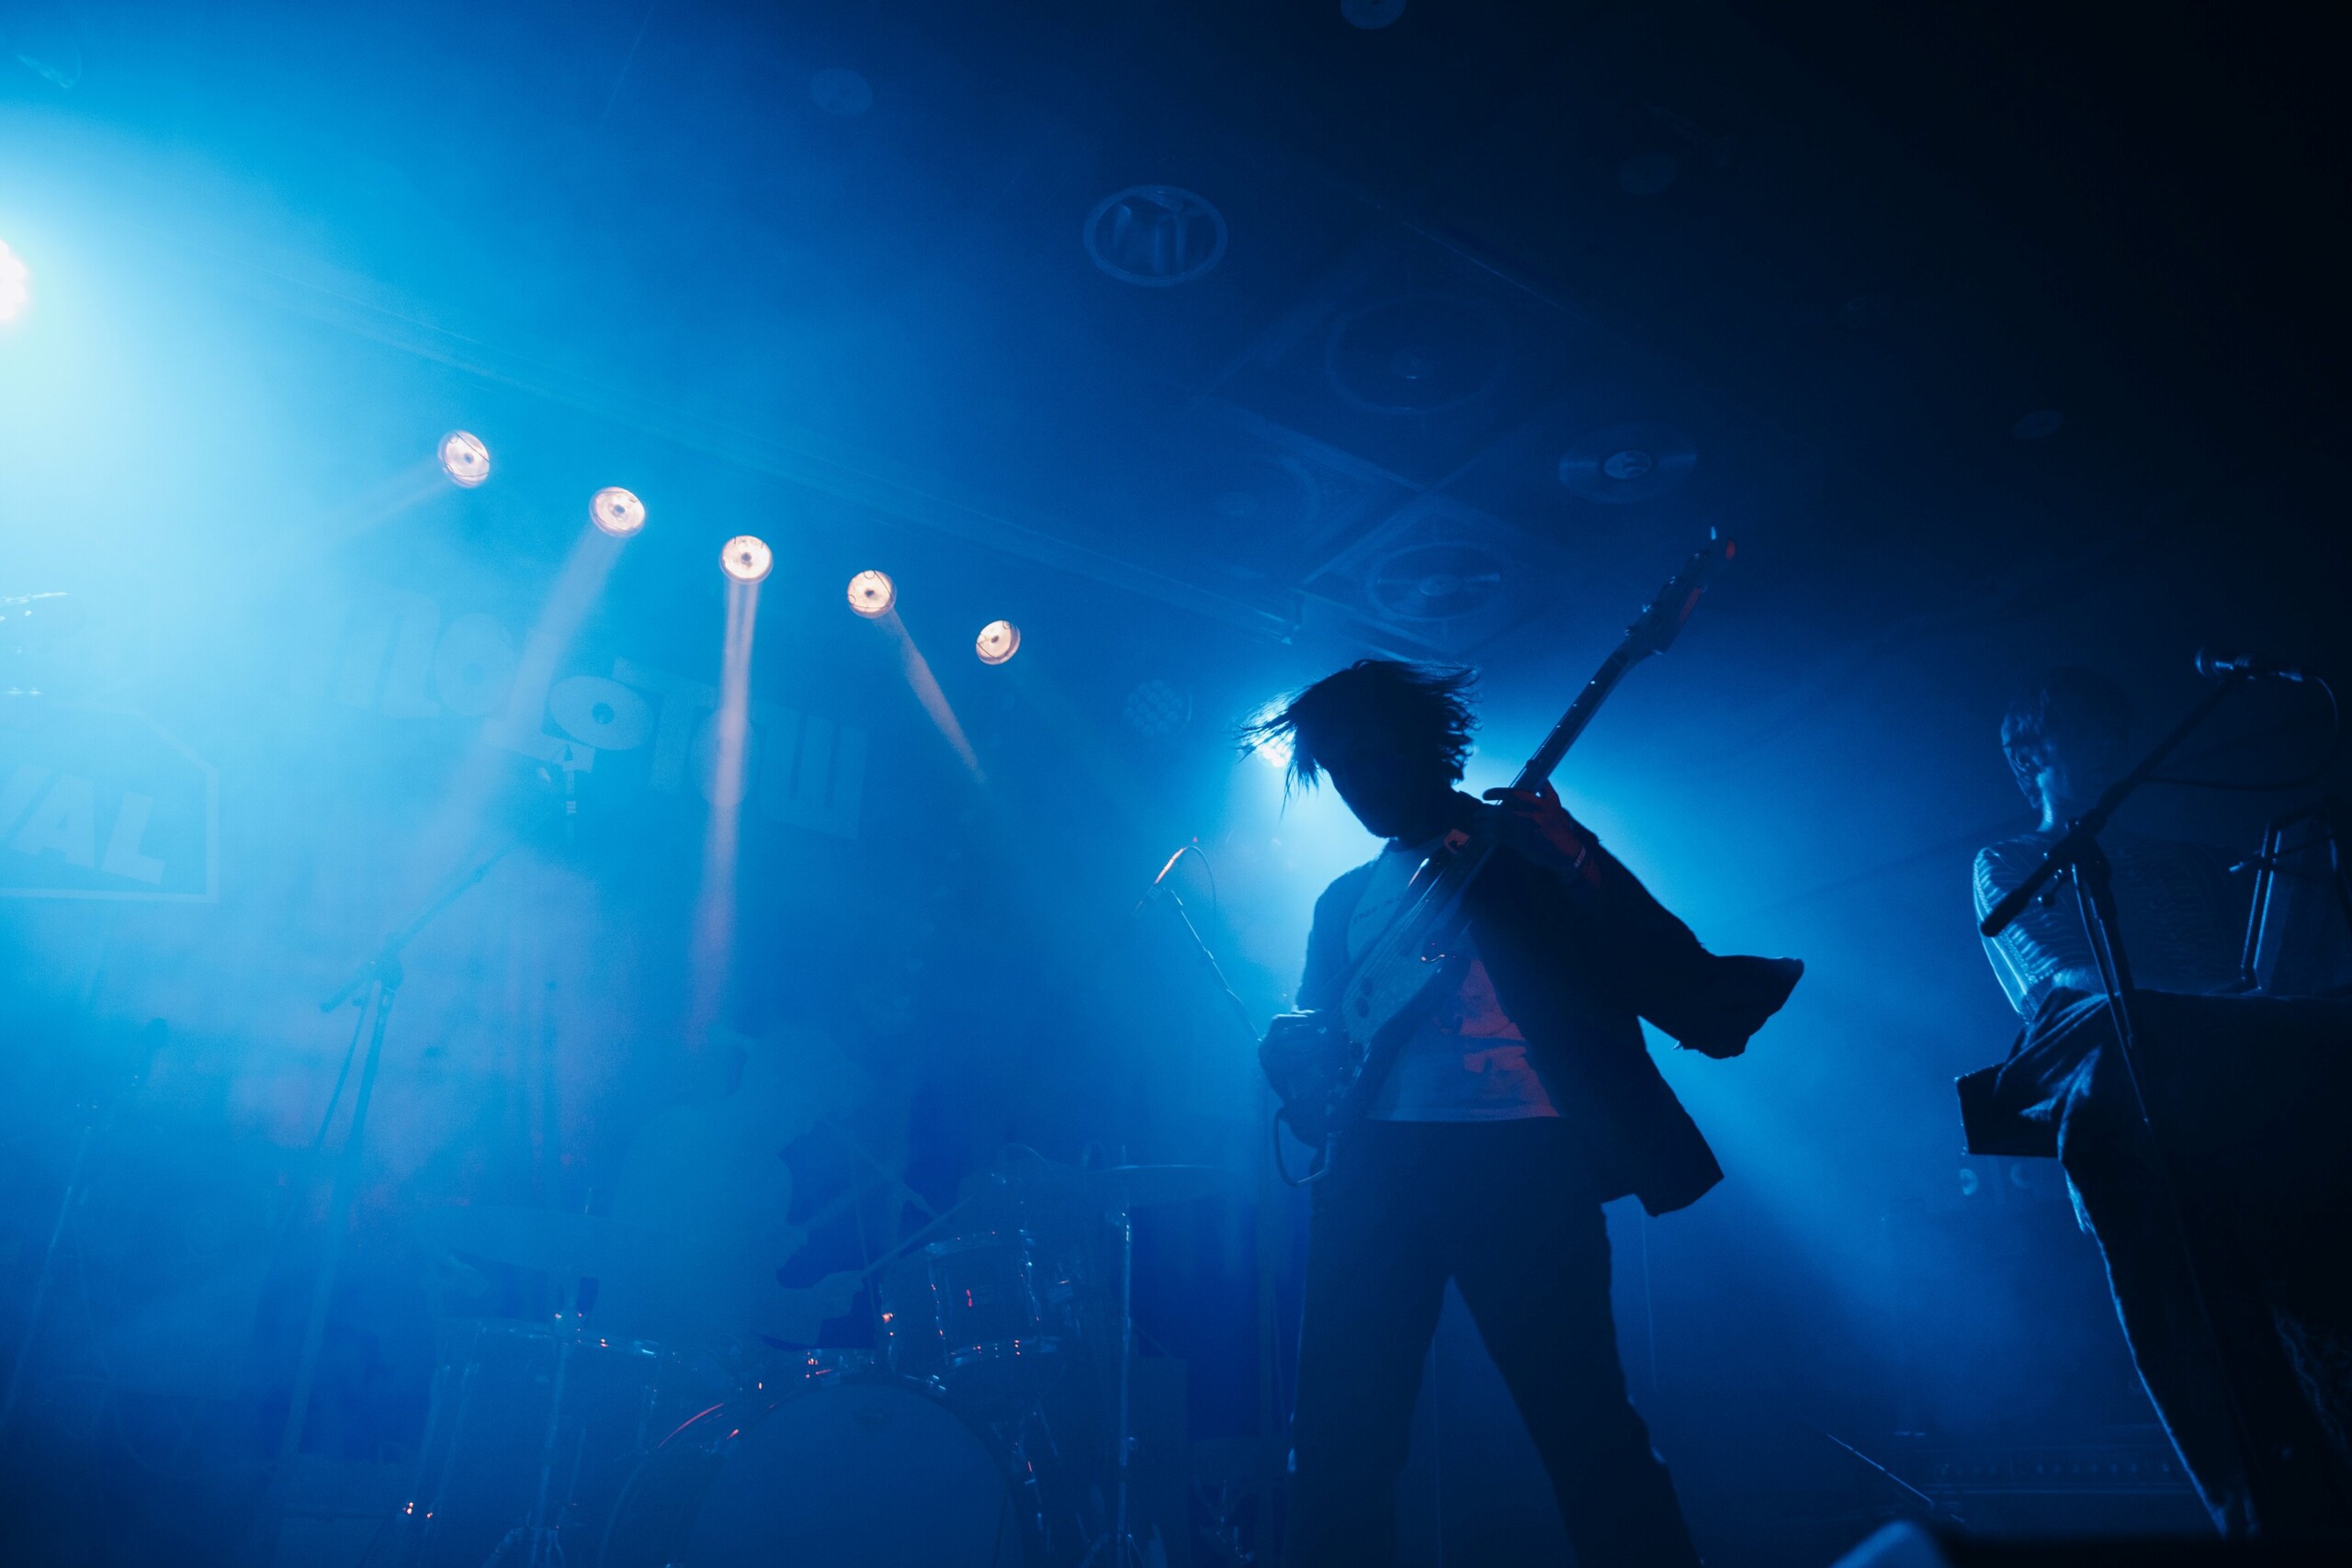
point(1326, 1066)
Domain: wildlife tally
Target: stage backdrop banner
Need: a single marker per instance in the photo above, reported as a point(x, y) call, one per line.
point(102, 802)
point(399, 655)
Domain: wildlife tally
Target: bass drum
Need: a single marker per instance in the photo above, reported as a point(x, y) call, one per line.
point(860, 1473)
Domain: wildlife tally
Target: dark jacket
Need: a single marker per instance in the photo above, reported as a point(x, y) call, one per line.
point(1578, 958)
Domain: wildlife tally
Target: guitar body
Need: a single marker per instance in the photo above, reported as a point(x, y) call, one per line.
point(1326, 1066)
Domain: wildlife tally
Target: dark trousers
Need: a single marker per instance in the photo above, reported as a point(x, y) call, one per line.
point(1504, 1210)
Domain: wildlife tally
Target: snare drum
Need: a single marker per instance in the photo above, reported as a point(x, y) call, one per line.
point(981, 1313)
point(814, 1367)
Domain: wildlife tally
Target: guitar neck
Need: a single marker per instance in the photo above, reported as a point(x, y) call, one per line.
point(1572, 723)
point(1660, 623)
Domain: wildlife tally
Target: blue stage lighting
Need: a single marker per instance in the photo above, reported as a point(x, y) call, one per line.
point(746, 558)
point(617, 512)
point(464, 458)
point(1274, 750)
point(998, 641)
point(14, 288)
point(871, 594)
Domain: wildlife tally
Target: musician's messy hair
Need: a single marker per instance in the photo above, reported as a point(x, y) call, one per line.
point(1427, 707)
point(2071, 706)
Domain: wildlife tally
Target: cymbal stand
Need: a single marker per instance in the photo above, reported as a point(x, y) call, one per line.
point(47, 1278)
point(386, 976)
point(383, 972)
point(97, 1110)
point(536, 1543)
point(1118, 1549)
point(1270, 1417)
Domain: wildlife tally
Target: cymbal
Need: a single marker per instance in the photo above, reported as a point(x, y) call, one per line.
point(556, 1240)
point(1135, 1186)
point(1144, 1186)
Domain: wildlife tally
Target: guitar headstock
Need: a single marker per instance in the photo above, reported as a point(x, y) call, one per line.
point(1662, 618)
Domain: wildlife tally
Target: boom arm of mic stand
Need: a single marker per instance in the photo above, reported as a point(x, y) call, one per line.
point(386, 959)
point(2084, 829)
point(1208, 962)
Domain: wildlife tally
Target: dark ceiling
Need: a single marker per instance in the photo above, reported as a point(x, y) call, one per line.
point(1397, 334)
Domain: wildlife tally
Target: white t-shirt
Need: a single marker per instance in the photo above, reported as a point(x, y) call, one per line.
point(1467, 1061)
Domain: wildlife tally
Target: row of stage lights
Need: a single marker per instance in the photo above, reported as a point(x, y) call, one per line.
point(744, 559)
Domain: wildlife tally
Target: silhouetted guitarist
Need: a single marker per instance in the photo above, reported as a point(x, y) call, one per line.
point(1511, 1112)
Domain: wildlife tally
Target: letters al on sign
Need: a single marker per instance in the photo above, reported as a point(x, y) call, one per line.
point(105, 804)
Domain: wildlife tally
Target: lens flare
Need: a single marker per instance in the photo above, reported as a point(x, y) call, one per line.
point(871, 594)
point(1274, 750)
point(617, 512)
point(746, 558)
point(998, 641)
point(464, 458)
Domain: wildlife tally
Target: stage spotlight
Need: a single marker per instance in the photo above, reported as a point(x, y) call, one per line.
point(1155, 709)
point(871, 594)
point(998, 641)
point(464, 458)
point(746, 558)
point(617, 512)
point(14, 288)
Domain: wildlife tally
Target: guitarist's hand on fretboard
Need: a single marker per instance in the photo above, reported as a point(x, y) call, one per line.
point(1546, 833)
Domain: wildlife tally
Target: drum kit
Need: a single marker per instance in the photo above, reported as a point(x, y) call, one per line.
point(989, 1426)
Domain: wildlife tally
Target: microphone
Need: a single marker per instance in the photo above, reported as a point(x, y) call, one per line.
point(2210, 664)
point(1158, 884)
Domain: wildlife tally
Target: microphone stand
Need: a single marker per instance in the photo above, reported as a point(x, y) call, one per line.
point(2081, 838)
point(1161, 889)
point(2333, 815)
point(97, 1118)
point(2078, 856)
point(1268, 1196)
point(383, 971)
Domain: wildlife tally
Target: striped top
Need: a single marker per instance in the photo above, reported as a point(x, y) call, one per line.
point(2182, 918)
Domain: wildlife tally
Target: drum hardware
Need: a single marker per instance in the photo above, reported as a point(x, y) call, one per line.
point(47, 1280)
point(1125, 1186)
point(97, 1116)
point(1266, 1179)
point(553, 1241)
point(967, 1313)
point(534, 1428)
point(987, 1295)
point(1227, 1475)
point(570, 1247)
point(1027, 1436)
point(536, 1543)
point(382, 971)
point(1120, 1544)
point(821, 1368)
point(984, 1388)
point(875, 1472)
